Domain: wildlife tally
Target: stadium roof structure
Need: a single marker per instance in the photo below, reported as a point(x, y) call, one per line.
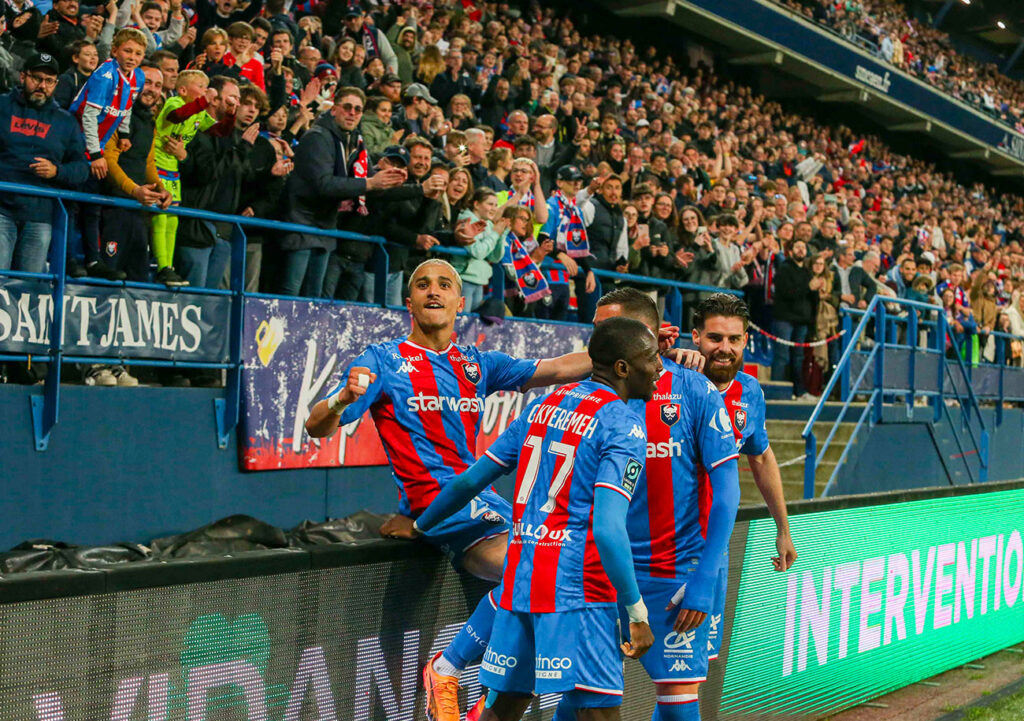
point(833, 70)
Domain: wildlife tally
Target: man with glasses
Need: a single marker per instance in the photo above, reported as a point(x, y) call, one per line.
point(331, 176)
point(40, 144)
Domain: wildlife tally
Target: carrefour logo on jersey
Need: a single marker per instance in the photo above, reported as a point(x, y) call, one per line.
point(421, 402)
point(541, 533)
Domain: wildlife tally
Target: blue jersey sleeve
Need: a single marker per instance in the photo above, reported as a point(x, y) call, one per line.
point(623, 449)
point(757, 443)
point(505, 451)
point(505, 373)
point(99, 88)
point(367, 359)
point(714, 433)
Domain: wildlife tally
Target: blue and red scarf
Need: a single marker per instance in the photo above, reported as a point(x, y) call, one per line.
point(530, 280)
point(571, 235)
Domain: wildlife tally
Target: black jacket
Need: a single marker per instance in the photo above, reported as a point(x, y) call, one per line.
point(211, 179)
point(604, 232)
point(263, 194)
point(445, 87)
point(323, 177)
point(399, 215)
point(794, 299)
point(68, 31)
point(861, 286)
point(68, 85)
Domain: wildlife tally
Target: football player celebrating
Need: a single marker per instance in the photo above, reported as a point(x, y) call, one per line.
point(579, 454)
point(680, 519)
point(720, 334)
point(426, 396)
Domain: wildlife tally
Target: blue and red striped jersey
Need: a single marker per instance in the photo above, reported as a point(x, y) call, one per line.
point(112, 94)
point(567, 444)
point(744, 401)
point(427, 407)
point(688, 430)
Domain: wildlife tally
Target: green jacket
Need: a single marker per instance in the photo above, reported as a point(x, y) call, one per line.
point(486, 250)
point(376, 134)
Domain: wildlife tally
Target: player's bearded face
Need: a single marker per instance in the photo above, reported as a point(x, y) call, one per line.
point(721, 342)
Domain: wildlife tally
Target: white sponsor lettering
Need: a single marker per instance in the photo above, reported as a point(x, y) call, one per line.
point(870, 77)
point(541, 533)
point(498, 663)
point(561, 419)
point(551, 666)
point(420, 403)
point(665, 449)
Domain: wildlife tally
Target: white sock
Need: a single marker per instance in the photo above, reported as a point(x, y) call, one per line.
point(444, 667)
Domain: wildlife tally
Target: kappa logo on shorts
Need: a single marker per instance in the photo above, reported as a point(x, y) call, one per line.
point(472, 372)
point(679, 665)
point(669, 413)
point(631, 474)
point(739, 418)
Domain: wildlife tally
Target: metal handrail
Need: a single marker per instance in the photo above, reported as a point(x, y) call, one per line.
point(876, 309)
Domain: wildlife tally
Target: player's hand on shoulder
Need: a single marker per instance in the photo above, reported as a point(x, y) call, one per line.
point(399, 526)
point(359, 379)
point(686, 357)
point(641, 638)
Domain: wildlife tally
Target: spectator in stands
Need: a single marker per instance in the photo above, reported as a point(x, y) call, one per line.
point(40, 144)
point(486, 249)
point(607, 230)
point(795, 302)
point(372, 40)
point(331, 166)
point(376, 125)
point(856, 288)
point(525, 189)
point(826, 316)
point(242, 54)
point(84, 59)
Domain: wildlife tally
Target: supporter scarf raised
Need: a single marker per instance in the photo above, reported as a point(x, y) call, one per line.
point(571, 235)
point(529, 279)
point(360, 168)
point(369, 39)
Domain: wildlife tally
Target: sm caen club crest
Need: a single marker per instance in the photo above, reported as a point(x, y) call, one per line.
point(669, 413)
point(739, 419)
point(472, 372)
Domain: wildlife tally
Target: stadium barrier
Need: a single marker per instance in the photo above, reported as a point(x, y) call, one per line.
point(148, 324)
point(881, 596)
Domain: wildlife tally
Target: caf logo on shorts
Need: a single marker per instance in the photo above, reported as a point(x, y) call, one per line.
point(669, 413)
point(472, 372)
point(739, 417)
point(680, 640)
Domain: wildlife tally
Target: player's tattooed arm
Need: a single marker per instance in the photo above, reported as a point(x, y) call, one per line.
point(326, 414)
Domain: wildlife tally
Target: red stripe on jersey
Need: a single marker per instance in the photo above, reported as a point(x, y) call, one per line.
point(705, 494)
point(515, 546)
point(420, 487)
point(732, 397)
point(467, 389)
point(660, 492)
point(424, 382)
point(596, 586)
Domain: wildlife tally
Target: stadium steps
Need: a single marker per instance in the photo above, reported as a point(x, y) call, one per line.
point(789, 452)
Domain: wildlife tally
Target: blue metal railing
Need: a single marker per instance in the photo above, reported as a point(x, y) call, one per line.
point(45, 407)
point(887, 331)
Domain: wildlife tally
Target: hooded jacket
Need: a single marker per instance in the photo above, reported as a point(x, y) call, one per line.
point(27, 133)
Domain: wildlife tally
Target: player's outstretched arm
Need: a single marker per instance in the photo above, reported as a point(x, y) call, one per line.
point(610, 506)
point(695, 598)
point(325, 416)
point(459, 492)
point(560, 370)
point(768, 478)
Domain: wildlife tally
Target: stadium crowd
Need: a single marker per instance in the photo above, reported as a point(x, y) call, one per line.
point(506, 131)
point(925, 52)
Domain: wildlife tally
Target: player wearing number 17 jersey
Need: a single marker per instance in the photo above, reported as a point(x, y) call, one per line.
point(580, 458)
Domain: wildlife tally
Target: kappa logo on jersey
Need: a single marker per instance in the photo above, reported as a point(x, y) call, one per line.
point(406, 367)
point(632, 474)
point(483, 511)
point(472, 372)
point(669, 413)
point(637, 432)
point(721, 422)
point(739, 417)
point(711, 387)
point(679, 665)
point(683, 641)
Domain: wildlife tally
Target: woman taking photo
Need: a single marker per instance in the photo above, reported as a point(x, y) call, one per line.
point(486, 249)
